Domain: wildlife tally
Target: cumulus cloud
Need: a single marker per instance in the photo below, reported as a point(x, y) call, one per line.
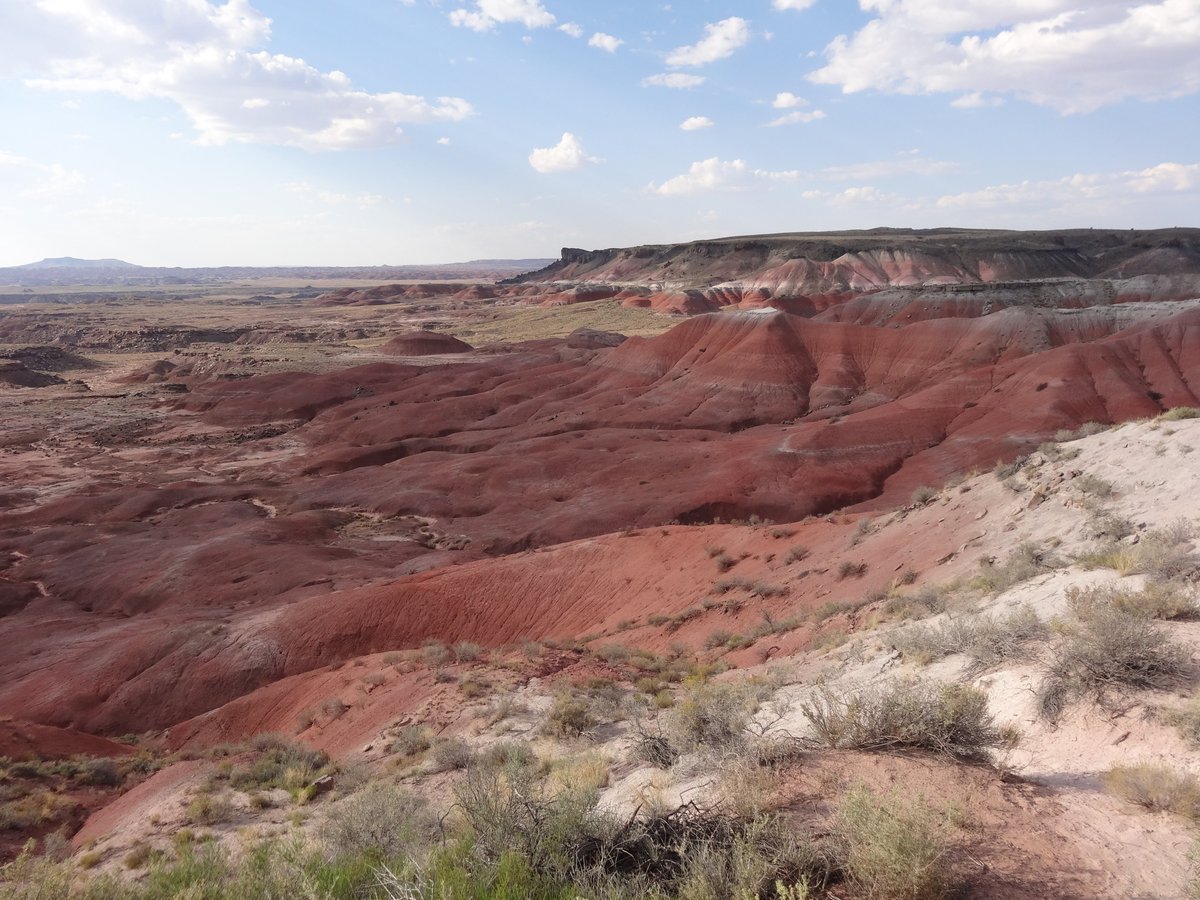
point(1064, 54)
point(207, 58)
point(605, 42)
point(571, 29)
point(678, 80)
point(568, 154)
point(696, 123)
point(707, 175)
point(792, 4)
point(797, 117)
point(721, 39)
point(487, 14)
point(788, 100)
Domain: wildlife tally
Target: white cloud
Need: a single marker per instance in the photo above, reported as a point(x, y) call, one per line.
point(1064, 54)
point(571, 29)
point(1082, 189)
point(798, 117)
point(788, 100)
point(362, 200)
point(490, 13)
point(704, 176)
point(696, 123)
point(605, 42)
point(677, 80)
point(568, 154)
point(792, 4)
point(444, 141)
point(206, 59)
point(24, 177)
point(720, 40)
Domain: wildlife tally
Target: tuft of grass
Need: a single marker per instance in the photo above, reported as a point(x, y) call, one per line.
point(1180, 412)
point(1025, 562)
point(1165, 600)
point(848, 569)
point(1156, 787)
point(208, 809)
point(381, 821)
point(1092, 486)
point(795, 554)
point(923, 495)
point(908, 714)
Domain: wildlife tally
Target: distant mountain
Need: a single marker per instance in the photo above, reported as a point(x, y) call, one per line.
point(70, 262)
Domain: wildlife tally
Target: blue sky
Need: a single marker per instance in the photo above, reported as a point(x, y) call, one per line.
point(276, 132)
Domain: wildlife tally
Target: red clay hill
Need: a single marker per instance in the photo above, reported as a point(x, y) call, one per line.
point(269, 524)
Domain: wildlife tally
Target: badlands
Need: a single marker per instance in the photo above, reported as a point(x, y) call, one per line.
point(850, 565)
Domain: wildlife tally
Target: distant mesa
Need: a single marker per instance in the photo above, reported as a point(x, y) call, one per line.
point(71, 262)
point(424, 343)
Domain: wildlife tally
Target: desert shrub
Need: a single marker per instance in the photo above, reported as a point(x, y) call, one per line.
point(381, 821)
point(1025, 562)
point(1093, 486)
point(848, 569)
point(1005, 471)
point(1157, 600)
point(1186, 719)
point(795, 554)
point(451, 753)
point(724, 562)
point(926, 601)
point(472, 688)
point(435, 653)
point(410, 740)
point(1156, 787)
point(334, 707)
point(280, 764)
point(374, 679)
point(718, 638)
point(208, 809)
point(571, 714)
point(1180, 412)
point(466, 651)
point(100, 771)
point(985, 639)
point(652, 746)
point(138, 856)
point(861, 530)
point(908, 714)
point(781, 533)
point(894, 848)
point(922, 495)
point(1167, 553)
point(1109, 648)
point(712, 716)
point(765, 591)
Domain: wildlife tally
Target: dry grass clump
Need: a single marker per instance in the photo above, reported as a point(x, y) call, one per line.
point(207, 809)
point(1156, 787)
point(381, 821)
point(923, 495)
point(1186, 719)
point(1180, 412)
point(466, 651)
point(987, 640)
point(795, 554)
point(1157, 600)
point(1162, 554)
point(893, 847)
point(1109, 648)
point(1025, 562)
point(1092, 486)
point(908, 714)
point(928, 600)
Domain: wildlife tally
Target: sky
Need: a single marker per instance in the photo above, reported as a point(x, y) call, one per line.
point(372, 132)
